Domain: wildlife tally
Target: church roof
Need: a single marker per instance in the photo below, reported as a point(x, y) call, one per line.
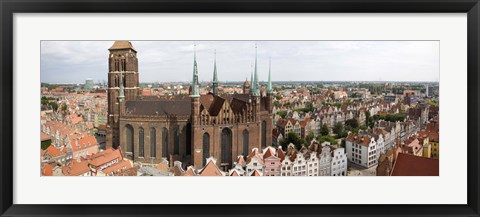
point(158, 107)
point(216, 106)
point(206, 100)
point(119, 45)
point(214, 103)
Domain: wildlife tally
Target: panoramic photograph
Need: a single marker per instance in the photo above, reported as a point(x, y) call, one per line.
point(239, 108)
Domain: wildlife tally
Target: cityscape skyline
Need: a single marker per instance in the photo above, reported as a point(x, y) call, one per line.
point(123, 128)
point(404, 61)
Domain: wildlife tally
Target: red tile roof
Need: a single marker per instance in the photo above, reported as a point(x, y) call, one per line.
point(410, 165)
point(104, 157)
point(280, 153)
point(255, 173)
point(102, 127)
point(118, 167)
point(189, 172)
point(434, 137)
point(210, 170)
point(75, 168)
point(84, 142)
point(52, 151)
point(357, 139)
point(269, 152)
point(47, 170)
point(44, 137)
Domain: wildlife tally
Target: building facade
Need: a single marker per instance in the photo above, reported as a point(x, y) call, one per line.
point(190, 128)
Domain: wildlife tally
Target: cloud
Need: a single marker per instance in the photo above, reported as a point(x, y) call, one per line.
point(166, 61)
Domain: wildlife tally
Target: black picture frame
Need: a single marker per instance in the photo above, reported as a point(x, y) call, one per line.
point(9, 7)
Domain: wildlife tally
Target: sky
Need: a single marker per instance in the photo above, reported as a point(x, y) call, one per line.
point(172, 61)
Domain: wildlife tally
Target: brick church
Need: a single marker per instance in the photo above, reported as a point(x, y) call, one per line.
point(184, 128)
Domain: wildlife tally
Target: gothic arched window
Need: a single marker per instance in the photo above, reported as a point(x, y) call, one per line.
point(129, 139)
point(141, 142)
point(164, 142)
point(245, 142)
point(176, 141)
point(264, 134)
point(188, 143)
point(153, 142)
point(226, 146)
point(206, 147)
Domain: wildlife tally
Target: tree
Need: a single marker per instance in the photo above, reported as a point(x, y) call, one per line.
point(282, 114)
point(368, 119)
point(64, 107)
point(390, 117)
point(339, 130)
point(309, 137)
point(45, 144)
point(331, 139)
point(352, 123)
point(324, 131)
point(294, 139)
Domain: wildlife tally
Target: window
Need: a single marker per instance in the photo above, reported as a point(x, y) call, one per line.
point(141, 144)
point(176, 141)
point(245, 142)
point(226, 146)
point(129, 138)
point(264, 134)
point(153, 142)
point(206, 147)
point(165, 142)
point(188, 138)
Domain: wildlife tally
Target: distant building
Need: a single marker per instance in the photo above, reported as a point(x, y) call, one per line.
point(88, 84)
point(390, 98)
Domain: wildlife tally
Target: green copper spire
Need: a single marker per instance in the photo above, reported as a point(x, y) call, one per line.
point(215, 78)
point(256, 85)
point(194, 86)
point(269, 85)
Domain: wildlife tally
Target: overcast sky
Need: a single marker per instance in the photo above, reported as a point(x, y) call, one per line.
point(166, 61)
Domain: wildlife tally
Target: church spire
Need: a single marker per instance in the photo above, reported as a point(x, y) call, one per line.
point(256, 84)
point(215, 78)
point(252, 85)
point(269, 85)
point(194, 85)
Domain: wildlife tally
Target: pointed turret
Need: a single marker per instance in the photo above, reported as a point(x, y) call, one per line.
point(252, 84)
point(255, 83)
point(195, 86)
point(269, 85)
point(215, 78)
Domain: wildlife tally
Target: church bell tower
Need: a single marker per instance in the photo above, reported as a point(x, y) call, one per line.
point(122, 64)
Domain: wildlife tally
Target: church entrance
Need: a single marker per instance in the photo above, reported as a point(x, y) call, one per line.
point(226, 148)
